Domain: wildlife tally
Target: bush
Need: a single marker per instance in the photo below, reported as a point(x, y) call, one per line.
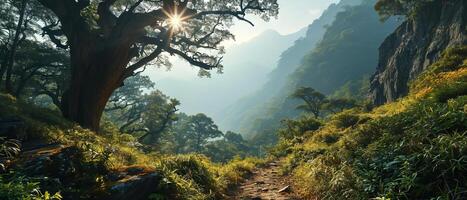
point(296, 128)
point(20, 189)
point(193, 168)
point(185, 176)
point(327, 177)
point(345, 119)
point(415, 148)
point(388, 8)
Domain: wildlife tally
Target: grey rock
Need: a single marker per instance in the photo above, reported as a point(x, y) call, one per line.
point(136, 187)
point(135, 170)
point(415, 45)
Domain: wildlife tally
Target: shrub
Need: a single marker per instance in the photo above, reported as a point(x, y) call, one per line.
point(194, 168)
point(296, 128)
point(21, 189)
point(327, 177)
point(345, 119)
point(415, 148)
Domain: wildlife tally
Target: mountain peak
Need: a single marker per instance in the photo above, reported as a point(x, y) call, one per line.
point(269, 33)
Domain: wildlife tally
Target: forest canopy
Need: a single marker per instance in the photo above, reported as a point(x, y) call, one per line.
point(109, 41)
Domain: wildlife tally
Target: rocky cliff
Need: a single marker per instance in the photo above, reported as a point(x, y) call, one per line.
point(415, 45)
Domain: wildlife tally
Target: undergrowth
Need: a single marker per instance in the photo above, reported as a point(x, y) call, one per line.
point(185, 176)
point(415, 148)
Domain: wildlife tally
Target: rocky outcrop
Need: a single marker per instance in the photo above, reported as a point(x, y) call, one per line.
point(415, 45)
point(65, 169)
point(137, 187)
point(61, 168)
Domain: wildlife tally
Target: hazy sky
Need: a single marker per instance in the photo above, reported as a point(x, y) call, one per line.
point(293, 16)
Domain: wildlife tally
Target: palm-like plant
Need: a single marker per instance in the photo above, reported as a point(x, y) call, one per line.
point(9, 148)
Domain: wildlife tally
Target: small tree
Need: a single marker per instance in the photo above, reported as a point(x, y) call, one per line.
point(312, 98)
point(233, 137)
point(127, 104)
point(39, 69)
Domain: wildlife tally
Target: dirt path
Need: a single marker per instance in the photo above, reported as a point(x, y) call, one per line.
point(266, 184)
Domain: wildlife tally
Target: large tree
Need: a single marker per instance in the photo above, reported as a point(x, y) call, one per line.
point(19, 23)
point(111, 40)
point(198, 130)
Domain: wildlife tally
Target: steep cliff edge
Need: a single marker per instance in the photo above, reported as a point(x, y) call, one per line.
point(417, 44)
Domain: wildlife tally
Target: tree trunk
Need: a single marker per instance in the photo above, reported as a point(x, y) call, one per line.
point(198, 142)
point(97, 70)
point(10, 61)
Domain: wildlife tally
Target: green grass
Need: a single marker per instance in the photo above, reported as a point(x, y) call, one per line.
point(414, 148)
point(185, 176)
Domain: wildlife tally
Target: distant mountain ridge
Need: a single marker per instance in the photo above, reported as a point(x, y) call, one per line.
point(247, 107)
point(347, 52)
point(246, 66)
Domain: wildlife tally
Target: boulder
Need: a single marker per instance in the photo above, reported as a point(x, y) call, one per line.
point(138, 187)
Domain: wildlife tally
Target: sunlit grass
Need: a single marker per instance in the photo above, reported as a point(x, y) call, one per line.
point(398, 150)
point(193, 176)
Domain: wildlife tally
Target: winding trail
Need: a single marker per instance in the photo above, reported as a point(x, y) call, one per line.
point(266, 184)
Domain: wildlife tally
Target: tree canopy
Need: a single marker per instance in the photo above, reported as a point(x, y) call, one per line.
point(111, 40)
point(192, 30)
point(388, 8)
point(312, 99)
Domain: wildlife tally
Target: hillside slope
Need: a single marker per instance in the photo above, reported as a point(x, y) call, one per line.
point(348, 52)
point(242, 111)
point(415, 45)
point(44, 152)
point(414, 148)
point(245, 69)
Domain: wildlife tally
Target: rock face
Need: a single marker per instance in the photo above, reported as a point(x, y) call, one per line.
point(137, 187)
point(415, 45)
point(63, 168)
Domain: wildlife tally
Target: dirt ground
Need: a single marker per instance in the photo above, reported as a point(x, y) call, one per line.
point(266, 184)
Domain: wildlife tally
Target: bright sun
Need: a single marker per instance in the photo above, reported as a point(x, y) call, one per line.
point(176, 18)
point(176, 22)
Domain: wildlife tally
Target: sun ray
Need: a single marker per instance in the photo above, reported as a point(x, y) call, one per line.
point(175, 19)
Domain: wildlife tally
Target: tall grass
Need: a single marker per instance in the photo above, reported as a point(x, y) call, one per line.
point(414, 148)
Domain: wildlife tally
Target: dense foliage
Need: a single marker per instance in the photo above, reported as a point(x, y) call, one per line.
point(244, 114)
point(99, 156)
point(388, 8)
point(411, 149)
point(340, 64)
point(336, 145)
